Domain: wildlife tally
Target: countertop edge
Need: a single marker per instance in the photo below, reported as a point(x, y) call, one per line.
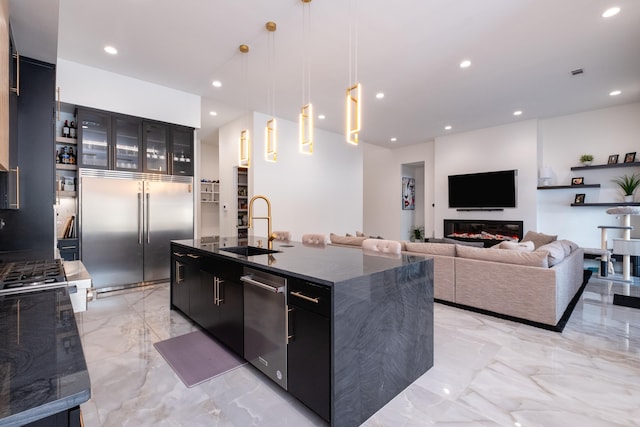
point(47, 409)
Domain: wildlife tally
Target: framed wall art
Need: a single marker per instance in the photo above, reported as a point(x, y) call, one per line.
point(408, 193)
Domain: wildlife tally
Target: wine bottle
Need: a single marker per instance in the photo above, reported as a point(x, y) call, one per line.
point(72, 130)
point(65, 129)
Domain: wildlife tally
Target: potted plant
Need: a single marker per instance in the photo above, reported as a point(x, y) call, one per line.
point(586, 159)
point(417, 234)
point(628, 184)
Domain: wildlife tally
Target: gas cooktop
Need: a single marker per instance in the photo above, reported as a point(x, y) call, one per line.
point(31, 274)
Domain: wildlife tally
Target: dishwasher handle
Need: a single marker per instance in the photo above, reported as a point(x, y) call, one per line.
point(251, 281)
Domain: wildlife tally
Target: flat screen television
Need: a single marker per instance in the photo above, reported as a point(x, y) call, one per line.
point(488, 190)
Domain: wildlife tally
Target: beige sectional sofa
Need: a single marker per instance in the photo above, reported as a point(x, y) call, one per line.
point(535, 286)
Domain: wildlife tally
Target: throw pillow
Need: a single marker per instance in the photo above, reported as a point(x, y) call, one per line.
point(460, 242)
point(538, 239)
point(568, 246)
point(555, 250)
point(517, 246)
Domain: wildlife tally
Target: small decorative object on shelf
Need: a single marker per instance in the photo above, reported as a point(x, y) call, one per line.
point(628, 185)
point(579, 199)
point(586, 159)
point(613, 159)
point(630, 157)
point(579, 180)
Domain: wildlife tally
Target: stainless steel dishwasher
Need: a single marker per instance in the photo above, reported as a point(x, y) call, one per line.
point(265, 323)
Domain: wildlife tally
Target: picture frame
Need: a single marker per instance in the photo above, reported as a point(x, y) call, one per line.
point(578, 180)
point(408, 193)
point(579, 199)
point(613, 159)
point(630, 157)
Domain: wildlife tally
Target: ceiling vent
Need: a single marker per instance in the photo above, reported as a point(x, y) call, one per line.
point(577, 72)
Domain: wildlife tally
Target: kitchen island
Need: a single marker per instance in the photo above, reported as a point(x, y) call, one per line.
point(43, 373)
point(358, 326)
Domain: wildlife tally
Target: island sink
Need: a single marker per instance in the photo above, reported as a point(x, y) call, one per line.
point(249, 250)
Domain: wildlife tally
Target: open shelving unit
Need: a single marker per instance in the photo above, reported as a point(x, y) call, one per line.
point(243, 204)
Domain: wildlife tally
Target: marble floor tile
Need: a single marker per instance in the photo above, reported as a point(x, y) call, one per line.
point(487, 371)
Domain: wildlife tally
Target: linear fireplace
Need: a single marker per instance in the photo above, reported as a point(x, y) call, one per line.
point(487, 231)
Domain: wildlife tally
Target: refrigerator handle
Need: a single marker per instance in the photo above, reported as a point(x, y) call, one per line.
point(139, 218)
point(148, 216)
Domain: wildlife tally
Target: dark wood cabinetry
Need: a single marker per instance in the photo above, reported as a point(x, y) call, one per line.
point(120, 142)
point(309, 349)
point(28, 231)
point(209, 292)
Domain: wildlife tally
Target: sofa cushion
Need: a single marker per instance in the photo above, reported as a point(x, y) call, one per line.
point(346, 240)
point(461, 242)
point(444, 249)
point(568, 246)
point(556, 252)
point(532, 259)
point(517, 246)
point(538, 239)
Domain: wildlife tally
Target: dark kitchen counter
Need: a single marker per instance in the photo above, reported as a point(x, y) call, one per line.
point(42, 365)
point(323, 264)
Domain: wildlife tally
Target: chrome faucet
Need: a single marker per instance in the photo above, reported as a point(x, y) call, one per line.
point(270, 236)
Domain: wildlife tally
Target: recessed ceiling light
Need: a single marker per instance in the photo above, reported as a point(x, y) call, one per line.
point(321, 116)
point(517, 113)
point(379, 95)
point(465, 64)
point(612, 11)
point(216, 83)
point(111, 50)
point(448, 127)
point(615, 93)
point(213, 113)
point(394, 139)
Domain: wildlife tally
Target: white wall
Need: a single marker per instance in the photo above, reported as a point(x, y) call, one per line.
point(383, 214)
point(506, 147)
point(92, 87)
point(320, 193)
point(564, 139)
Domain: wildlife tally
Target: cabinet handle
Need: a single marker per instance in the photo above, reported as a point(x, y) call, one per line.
point(179, 278)
point(58, 113)
point(290, 325)
point(215, 290)
point(17, 203)
point(16, 89)
point(193, 256)
point(304, 297)
point(178, 254)
point(220, 292)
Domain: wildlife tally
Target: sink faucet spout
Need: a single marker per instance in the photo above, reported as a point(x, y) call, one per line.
point(271, 236)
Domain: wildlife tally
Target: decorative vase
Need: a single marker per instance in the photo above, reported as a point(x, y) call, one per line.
point(628, 198)
point(587, 162)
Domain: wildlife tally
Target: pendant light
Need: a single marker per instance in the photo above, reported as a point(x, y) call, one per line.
point(306, 112)
point(354, 91)
point(271, 129)
point(244, 146)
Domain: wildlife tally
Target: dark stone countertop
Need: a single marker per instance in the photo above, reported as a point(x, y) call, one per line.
point(42, 365)
point(323, 264)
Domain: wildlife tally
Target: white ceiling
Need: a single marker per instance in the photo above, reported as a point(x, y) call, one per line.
point(522, 53)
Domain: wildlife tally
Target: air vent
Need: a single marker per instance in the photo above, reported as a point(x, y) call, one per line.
point(577, 72)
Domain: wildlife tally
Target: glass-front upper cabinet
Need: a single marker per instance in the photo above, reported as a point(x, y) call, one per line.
point(127, 150)
point(95, 131)
point(182, 151)
point(155, 140)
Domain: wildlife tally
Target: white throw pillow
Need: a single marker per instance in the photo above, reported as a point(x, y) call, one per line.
point(517, 246)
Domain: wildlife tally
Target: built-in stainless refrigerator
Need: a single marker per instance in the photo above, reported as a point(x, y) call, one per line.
point(127, 221)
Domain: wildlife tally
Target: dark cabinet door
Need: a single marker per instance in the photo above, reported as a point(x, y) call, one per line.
point(203, 308)
point(222, 278)
point(181, 151)
point(185, 278)
point(309, 349)
point(94, 139)
point(127, 143)
point(155, 140)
